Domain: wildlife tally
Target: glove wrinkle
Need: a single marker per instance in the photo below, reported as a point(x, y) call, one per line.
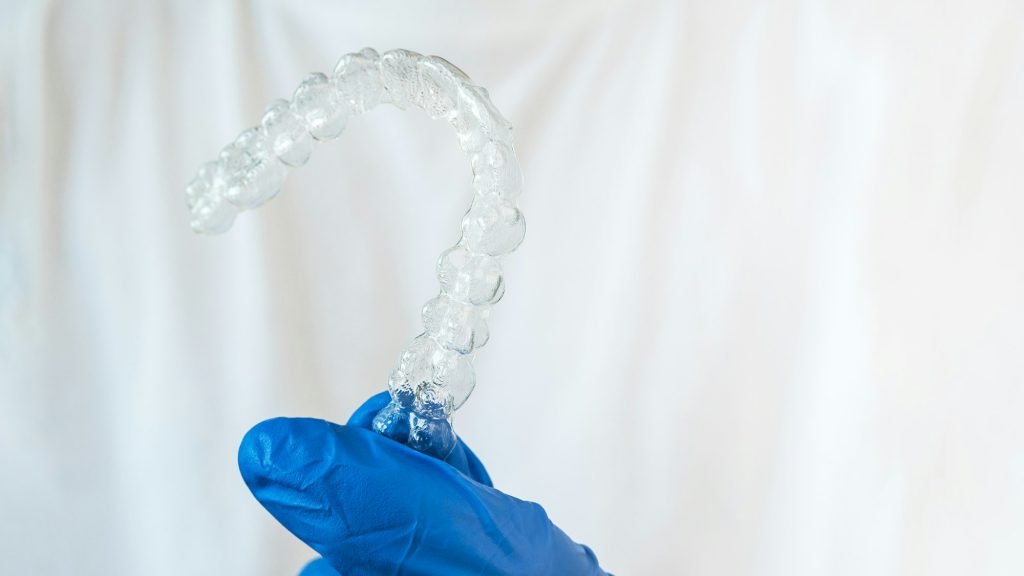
point(380, 545)
point(410, 548)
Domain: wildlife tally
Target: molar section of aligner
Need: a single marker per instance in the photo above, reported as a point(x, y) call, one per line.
point(425, 362)
point(432, 436)
point(201, 184)
point(253, 175)
point(400, 77)
point(286, 133)
point(317, 102)
point(429, 383)
point(210, 212)
point(357, 80)
point(393, 420)
point(413, 372)
point(430, 429)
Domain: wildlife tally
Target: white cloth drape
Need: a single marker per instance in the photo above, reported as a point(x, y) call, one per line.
point(767, 319)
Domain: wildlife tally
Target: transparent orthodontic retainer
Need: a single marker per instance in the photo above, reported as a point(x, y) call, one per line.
point(434, 376)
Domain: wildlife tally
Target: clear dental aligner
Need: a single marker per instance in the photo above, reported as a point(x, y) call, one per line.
point(434, 376)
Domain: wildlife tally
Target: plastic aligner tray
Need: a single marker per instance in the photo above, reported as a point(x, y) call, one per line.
point(434, 376)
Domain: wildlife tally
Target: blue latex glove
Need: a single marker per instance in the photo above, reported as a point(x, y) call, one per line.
point(370, 505)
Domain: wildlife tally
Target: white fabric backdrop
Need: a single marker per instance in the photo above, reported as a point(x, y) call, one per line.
point(767, 320)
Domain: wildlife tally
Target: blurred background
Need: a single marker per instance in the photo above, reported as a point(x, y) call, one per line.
point(768, 317)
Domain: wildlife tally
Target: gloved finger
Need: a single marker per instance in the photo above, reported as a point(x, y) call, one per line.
point(465, 461)
point(319, 567)
point(369, 505)
point(462, 458)
point(363, 416)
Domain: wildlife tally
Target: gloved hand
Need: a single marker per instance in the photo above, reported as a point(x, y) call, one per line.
point(370, 505)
